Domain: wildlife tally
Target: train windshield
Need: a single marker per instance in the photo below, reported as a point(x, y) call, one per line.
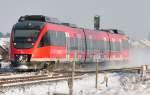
point(25, 39)
point(28, 36)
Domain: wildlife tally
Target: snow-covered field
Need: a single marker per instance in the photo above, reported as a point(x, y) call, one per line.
point(118, 84)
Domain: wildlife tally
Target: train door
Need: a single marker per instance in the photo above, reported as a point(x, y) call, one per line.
point(109, 47)
point(104, 51)
point(89, 49)
point(120, 49)
point(67, 47)
point(103, 46)
point(79, 47)
point(113, 49)
point(116, 48)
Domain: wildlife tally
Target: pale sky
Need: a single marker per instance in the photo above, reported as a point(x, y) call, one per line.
point(131, 16)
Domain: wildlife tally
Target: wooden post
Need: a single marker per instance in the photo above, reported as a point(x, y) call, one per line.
point(96, 80)
point(144, 69)
point(97, 27)
point(72, 79)
point(71, 82)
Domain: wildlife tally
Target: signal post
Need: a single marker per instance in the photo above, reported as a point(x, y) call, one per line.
point(97, 27)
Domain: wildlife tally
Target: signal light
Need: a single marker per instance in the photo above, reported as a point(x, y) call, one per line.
point(96, 22)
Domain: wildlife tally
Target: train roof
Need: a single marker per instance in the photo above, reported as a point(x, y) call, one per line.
point(39, 18)
point(113, 31)
point(42, 18)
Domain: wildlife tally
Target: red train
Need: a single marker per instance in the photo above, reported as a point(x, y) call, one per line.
point(37, 40)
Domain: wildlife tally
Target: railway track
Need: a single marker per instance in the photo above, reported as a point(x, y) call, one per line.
point(56, 76)
point(5, 74)
point(14, 81)
point(131, 69)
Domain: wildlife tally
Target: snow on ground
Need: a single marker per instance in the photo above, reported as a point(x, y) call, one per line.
point(5, 67)
point(4, 42)
point(118, 84)
point(5, 64)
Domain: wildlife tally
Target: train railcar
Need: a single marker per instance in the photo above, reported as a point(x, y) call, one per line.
point(38, 40)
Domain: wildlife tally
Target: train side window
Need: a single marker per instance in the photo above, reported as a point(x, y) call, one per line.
point(83, 44)
point(103, 45)
point(57, 38)
point(88, 44)
point(112, 46)
point(92, 44)
point(118, 47)
point(95, 44)
point(125, 44)
point(73, 44)
point(79, 42)
point(61, 39)
point(106, 46)
point(44, 41)
point(41, 44)
point(53, 37)
point(76, 44)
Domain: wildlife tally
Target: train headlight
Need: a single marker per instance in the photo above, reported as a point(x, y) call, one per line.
point(14, 43)
point(21, 58)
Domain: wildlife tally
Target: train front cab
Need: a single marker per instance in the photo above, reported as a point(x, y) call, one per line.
point(30, 47)
point(24, 40)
